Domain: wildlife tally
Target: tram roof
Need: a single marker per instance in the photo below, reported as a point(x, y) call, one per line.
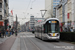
point(52, 19)
point(43, 22)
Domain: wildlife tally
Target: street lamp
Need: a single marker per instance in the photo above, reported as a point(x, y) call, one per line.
point(44, 12)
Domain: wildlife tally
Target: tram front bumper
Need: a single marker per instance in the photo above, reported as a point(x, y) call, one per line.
point(54, 38)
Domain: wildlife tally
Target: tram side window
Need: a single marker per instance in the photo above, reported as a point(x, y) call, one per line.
point(37, 29)
point(45, 29)
point(40, 29)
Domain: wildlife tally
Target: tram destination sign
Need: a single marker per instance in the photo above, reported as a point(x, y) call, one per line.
point(52, 21)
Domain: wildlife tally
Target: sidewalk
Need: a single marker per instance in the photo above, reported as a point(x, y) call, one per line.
point(3, 39)
point(16, 45)
point(7, 43)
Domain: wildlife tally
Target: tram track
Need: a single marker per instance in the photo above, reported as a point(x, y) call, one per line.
point(25, 44)
point(32, 43)
point(54, 45)
point(42, 43)
point(35, 46)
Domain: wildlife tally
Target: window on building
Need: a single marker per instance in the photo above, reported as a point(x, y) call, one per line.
point(0, 5)
point(0, 17)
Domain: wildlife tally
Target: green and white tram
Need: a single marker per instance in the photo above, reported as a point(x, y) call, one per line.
point(48, 29)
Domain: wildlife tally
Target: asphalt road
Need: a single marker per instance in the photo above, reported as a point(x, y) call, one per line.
point(29, 42)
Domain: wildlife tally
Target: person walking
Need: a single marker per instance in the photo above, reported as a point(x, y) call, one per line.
point(16, 33)
point(71, 29)
point(0, 33)
point(3, 32)
point(12, 31)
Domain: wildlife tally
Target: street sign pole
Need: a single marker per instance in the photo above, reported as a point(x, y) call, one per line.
point(16, 25)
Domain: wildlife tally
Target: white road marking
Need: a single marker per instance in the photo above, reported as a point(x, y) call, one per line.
point(27, 36)
point(34, 45)
point(25, 45)
point(30, 41)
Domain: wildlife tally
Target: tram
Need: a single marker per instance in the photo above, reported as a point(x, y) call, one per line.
point(48, 29)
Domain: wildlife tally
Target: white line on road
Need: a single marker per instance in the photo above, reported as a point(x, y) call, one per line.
point(25, 45)
point(31, 42)
point(34, 45)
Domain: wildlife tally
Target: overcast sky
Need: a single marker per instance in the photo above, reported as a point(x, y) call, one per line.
point(23, 9)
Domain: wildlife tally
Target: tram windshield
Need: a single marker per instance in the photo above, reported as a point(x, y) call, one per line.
point(52, 27)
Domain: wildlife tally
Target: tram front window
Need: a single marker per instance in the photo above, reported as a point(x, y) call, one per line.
point(53, 28)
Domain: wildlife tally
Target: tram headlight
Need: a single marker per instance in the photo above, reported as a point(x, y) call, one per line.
point(57, 35)
point(50, 35)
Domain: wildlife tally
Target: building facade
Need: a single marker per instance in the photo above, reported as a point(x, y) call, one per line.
point(27, 26)
point(31, 23)
point(69, 13)
point(10, 19)
point(4, 12)
point(49, 6)
point(19, 27)
point(4, 9)
point(59, 15)
point(55, 3)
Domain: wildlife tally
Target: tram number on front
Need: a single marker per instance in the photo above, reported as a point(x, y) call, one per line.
point(53, 34)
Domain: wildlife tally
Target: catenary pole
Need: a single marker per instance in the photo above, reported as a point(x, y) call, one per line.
point(16, 24)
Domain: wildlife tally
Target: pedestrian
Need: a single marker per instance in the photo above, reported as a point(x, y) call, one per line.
point(3, 32)
point(71, 29)
point(8, 33)
point(16, 33)
point(0, 33)
point(65, 29)
point(12, 32)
